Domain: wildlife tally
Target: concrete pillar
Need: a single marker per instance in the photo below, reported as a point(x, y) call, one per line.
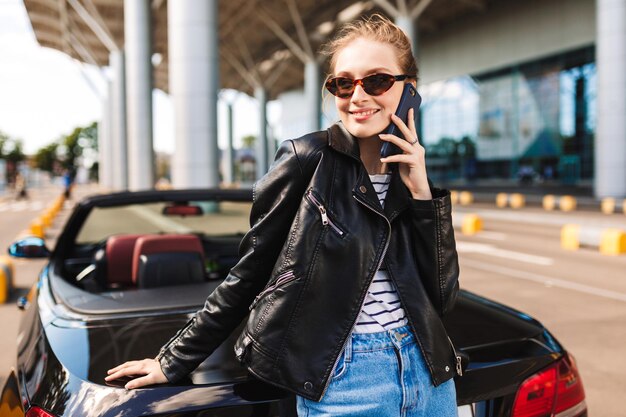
point(261, 143)
point(610, 147)
point(313, 94)
point(407, 24)
point(118, 122)
point(229, 154)
point(194, 83)
point(105, 142)
point(138, 47)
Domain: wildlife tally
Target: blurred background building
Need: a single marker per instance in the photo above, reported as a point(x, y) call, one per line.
point(515, 92)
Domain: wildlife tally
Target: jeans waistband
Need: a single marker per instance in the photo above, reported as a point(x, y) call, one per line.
point(397, 337)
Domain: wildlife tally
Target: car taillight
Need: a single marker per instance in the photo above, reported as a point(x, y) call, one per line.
point(556, 391)
point(37, 412)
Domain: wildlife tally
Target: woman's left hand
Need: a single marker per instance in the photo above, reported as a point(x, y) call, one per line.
point(412, 162)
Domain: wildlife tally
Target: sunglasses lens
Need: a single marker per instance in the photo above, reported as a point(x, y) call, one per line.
point(340, 86)
point(376, 84)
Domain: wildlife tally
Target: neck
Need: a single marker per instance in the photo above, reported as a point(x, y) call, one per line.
point(370, 155)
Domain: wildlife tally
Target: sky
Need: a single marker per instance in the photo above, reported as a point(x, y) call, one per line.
point(44, 94)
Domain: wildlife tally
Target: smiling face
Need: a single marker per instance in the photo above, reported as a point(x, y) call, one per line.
point(363, 115)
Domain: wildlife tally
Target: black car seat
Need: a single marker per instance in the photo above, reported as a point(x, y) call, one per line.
point(171, 259)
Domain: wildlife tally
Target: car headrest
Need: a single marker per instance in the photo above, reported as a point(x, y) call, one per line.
point(167, 260)
point(119, 259)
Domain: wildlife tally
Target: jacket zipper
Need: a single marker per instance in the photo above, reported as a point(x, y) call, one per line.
point(282, 279)
point(457, 357)
point(380, 262)
point(325, 219)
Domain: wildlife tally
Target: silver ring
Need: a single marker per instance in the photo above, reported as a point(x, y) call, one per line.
point(414, 142)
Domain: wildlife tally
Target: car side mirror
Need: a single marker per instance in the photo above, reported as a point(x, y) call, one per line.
point(30, 247)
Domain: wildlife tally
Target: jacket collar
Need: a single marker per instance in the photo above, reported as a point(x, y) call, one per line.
point(397, 198)
point(342, 141)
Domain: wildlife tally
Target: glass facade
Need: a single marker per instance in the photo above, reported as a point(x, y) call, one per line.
point(530, 122)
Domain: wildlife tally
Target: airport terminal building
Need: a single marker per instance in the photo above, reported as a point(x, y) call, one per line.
point(528, 91)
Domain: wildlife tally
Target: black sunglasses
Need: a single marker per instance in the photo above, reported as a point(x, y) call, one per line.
point(374, 84)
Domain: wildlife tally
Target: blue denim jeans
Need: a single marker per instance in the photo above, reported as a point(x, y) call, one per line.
point(382, 375)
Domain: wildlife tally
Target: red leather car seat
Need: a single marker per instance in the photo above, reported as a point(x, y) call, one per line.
point(119, 260)
point(171, 259)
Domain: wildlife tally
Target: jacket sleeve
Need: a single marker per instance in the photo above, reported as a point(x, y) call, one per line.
point(276, 198)
point(435, 249)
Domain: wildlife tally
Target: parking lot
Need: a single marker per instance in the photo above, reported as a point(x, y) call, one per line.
point(517, 260)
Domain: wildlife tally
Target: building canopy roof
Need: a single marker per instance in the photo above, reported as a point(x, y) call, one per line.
point(260, 42)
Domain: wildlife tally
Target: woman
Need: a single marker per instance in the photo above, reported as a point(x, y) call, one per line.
point(350, 262)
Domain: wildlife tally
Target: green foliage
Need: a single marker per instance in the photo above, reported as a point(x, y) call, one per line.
point(11, 148)
point(64, 153)
point(46, 157)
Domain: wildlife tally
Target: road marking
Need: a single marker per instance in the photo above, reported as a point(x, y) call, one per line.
point(19, 206)
point(492, 236)
point(487, 249)
point(546, 280)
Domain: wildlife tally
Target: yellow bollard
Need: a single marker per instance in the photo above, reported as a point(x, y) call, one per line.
point(567, 203)
point(613, 242)
point(454, 197)
point(502, 200)
point(472, 224)
point(4, 286)
point(6, 278)
point(466, 198)
point(549, 202)
point(569, 237)
point(517, 201)
point(5, 260)
point(46, 219)
point(37, 228)
point(607, 205)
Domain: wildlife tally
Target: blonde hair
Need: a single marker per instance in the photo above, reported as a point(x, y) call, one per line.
point(377, 28)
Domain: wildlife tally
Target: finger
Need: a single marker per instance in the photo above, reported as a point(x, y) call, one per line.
point(401, 143)
point(408, 133)
point(127, 371)
point(140, 382)
point(122, 366)
point(412, 127)
point(401, 158)
point(125, 365)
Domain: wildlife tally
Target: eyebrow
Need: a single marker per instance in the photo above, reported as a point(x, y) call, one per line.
point(369, 72)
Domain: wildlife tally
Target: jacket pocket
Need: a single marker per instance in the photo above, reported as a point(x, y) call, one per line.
point(326, 220)
point(284, 278)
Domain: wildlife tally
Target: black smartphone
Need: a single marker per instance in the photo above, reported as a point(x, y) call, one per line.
point(410, 100)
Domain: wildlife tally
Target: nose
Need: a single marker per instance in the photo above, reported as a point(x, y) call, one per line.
point(359, 93)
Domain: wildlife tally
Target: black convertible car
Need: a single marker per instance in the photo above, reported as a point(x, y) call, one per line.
point(130, 269)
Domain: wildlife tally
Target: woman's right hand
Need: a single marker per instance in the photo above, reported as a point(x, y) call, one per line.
point(144, 372)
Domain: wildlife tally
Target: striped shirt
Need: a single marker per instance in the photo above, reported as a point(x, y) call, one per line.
point(381, 309)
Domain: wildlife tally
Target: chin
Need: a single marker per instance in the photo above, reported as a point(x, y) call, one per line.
point(364, 131)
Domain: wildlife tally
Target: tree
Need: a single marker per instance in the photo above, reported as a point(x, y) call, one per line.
point(46, 157)
point(67, 150)
point(11, 151)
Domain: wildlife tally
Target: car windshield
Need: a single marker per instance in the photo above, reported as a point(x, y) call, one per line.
point(206, 218)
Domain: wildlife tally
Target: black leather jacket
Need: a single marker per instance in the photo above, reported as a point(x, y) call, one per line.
point(318, 236)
